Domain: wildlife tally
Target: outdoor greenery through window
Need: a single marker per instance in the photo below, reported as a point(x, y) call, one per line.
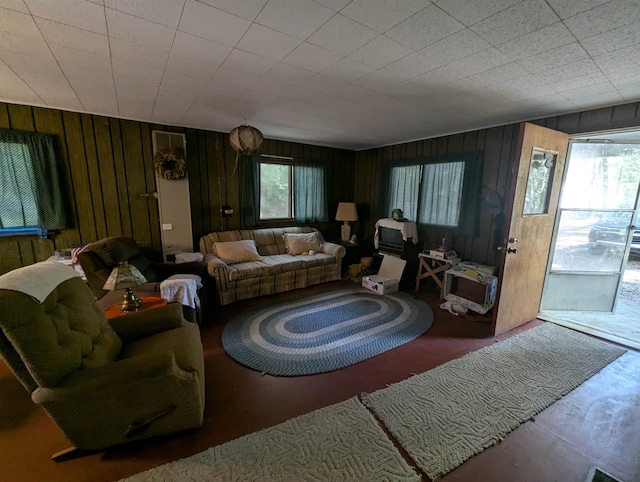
point(442, 192)
point(292, 190)
point(275, 191)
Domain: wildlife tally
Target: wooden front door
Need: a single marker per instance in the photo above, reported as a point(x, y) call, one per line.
point(535, 186)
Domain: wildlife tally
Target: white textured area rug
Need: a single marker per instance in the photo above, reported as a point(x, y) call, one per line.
point(450, 413)
point(340, 442)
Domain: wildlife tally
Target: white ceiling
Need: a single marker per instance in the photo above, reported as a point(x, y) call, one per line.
point(351, 74)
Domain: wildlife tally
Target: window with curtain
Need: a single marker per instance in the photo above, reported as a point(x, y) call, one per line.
point(276, 189)
point(442, 191)
point(30, 196)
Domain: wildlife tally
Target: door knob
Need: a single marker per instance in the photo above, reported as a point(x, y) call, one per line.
point(512, 250)
point(513, 240)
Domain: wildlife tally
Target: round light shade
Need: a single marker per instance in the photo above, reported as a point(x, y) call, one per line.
point(245, 139)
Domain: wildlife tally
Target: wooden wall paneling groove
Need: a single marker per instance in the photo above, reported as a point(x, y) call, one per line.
point(108, 178)
point(93, 171)
point(79, 176)
point(150, 202)
point(122, 186)
point(195, 167)
point(136, 182)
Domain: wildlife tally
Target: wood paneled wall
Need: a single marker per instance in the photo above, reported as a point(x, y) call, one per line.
point(498, 144)
point(107, 167)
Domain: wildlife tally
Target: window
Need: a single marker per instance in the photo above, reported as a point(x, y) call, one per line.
point(30, 194)
point(275, 191)
point(440, 192)
point(292, 190)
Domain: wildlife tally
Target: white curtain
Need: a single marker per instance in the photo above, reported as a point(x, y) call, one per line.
point(441, 198)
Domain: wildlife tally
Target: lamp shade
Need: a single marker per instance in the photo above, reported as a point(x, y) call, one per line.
point(124, 276)
point(347, 212)
point(245, 139)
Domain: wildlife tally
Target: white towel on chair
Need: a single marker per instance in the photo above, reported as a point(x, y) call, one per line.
point(182, 288)
point(188, 257)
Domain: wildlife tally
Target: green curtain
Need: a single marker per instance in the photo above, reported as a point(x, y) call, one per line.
point(249, 178)
point(309, 195)
point(31, 194)
point(441, 191)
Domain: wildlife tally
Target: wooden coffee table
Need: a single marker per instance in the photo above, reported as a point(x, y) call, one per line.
point(147, 302)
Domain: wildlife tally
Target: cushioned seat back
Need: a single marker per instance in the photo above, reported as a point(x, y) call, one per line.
point(50, 340)
point(268, 241)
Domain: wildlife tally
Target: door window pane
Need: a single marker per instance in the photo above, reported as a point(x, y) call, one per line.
point(602, 176)
point(591, 241)
point(275, 191)
point(536, 199)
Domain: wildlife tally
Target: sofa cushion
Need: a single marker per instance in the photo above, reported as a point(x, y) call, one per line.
point(252, 269)
point(301, 243)
point(280, 263)
point(237, 251)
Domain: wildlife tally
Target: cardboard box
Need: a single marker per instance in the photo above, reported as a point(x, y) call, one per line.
point(472, 286)
point(388, 278)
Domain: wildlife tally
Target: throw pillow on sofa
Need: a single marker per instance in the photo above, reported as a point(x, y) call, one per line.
point(301, 243)
point(237, 251)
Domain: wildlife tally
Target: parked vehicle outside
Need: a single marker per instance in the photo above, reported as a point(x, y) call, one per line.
point(610, 233)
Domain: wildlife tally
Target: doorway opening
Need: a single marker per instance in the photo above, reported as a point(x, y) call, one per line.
point(592, 282)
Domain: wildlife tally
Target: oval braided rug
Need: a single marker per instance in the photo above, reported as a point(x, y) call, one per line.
point(325, 331)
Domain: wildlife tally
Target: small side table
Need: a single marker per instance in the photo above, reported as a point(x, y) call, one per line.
point(147, 302)
point(352, 256)
point(430, 267)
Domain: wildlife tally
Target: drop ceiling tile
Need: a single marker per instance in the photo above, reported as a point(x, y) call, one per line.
point(134, 108)
point(248, 63)
point(455, 47)
point(311, 57)
point(17, 5)
point(611, 40)
point(546, 61)
point(270, 87)
point(226, 75)
point(213, 24)
point(343, 35)
point(168, 15)
point(335, 5)
point(289, 74)
point(128, 87)
point(77, 13)
point(347, 69)
point(408, 67)
point(470, 12)
point(134, 53)
point(474, 64)
point(621, 64)
point(248, 9)
point(299, 18)
point(268, 42)
point(569, 8)
point(380, 51)
point(425, 28)
point(538, 41)
point(99, 104)
point(187, 45)
point(73, 37)
point(215, 90)
point(181, 78)
point(190, 67)
point(612, 15)
point(516, 21)
point(19, 24)
point(381, 16)
point(440, 76)
point(629, 89)
point(33, 47)
point(126, 27)
point(73, 59)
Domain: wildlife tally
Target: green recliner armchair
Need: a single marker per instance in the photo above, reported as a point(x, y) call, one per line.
point(103, 382)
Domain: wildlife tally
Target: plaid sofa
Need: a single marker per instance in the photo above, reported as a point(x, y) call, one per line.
point(276, 271)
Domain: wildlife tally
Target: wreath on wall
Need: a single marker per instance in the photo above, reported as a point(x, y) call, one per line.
point(170, 163)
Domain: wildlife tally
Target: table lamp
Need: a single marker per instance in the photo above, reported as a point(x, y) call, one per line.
point(124, 277)
point(346, 212)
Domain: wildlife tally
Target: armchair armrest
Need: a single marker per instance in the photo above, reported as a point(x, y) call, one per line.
point(89, 382)
point(140, 324)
